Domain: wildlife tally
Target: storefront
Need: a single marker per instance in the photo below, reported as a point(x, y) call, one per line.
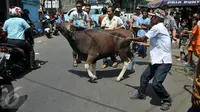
point(32, 6)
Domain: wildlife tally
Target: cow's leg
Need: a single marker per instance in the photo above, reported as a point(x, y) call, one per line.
point(123, 71)
point(126, 61)
point(87, 67)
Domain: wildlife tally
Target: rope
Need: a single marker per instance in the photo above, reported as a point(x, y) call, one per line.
point(97, 30)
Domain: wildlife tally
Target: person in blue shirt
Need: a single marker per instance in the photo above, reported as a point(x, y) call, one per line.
point(15, 28)
point(58, 18)
point(141, 24)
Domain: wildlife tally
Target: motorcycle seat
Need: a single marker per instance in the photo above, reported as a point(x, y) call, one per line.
point(8, 45)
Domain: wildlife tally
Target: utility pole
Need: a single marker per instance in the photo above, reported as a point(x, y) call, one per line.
point(7, 7)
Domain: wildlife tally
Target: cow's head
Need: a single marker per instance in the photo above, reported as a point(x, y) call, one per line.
point(66, 29)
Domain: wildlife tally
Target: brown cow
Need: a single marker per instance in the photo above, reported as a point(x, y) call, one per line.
point(93, 45)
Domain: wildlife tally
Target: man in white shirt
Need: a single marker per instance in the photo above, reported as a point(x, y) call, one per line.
point(161, 60)
point(111, 22)
point(80, 19)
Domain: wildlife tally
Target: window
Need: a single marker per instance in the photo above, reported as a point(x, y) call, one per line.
point(95, 11)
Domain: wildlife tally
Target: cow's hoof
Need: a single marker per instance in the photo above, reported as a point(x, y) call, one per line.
point(119, 79)
point(92, 80)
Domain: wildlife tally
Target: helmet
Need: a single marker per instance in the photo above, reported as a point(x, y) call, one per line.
point(15, 11)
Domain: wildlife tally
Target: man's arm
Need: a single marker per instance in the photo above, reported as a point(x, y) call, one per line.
point(120, 24)
point(88, 21)
point(174, 35)
point(138, 38)
point(103, 23)
point(29, 19)
point(174, 27)
point(143, 43)
point(152, 33)
point(71, 18)
point(146, 26)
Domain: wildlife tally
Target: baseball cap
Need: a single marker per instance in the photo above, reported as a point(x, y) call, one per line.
point(159, 13)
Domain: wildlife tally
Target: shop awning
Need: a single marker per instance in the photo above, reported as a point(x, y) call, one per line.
point(172, 3)
point(155, 3)
point(182, 2)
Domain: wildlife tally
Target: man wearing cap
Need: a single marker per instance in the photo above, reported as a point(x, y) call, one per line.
point(161, 60)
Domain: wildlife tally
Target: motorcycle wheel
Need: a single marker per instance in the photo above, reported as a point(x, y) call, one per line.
point(17, 65)
point(7, 93)
point(48, 35)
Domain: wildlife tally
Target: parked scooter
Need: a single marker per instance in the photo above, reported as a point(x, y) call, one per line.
point(49, 26)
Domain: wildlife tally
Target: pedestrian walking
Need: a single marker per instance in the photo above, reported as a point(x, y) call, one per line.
point(79, 18)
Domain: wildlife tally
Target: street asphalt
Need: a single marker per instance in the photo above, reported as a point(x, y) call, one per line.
point(59, 87)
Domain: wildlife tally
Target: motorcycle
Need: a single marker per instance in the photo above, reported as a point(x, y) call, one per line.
point(49, 26)
point(6, 87)
point(3, 37)
point(17, 61)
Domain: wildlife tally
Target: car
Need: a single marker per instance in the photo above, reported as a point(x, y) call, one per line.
point(95, 12)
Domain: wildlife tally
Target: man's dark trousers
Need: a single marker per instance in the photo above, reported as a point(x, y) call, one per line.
point(159, 72)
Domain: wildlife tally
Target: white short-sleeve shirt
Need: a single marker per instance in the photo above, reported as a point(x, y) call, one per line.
point(81, 18)
point(111, 24)
point(160, 44)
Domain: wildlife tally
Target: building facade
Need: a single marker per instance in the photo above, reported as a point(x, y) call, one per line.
point(32, 6)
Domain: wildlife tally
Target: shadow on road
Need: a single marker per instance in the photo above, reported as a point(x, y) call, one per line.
point(79, 97)
point(18, 76)
point(102, 74)
point(10, 101)
point(141, 62)
point(155, 100)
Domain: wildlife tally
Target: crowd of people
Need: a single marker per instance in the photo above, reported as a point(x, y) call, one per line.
point(161, 28)
point(158, 26)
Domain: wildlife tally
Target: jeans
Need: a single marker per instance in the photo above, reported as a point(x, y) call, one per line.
point(194, 109)
point(113, 58)
point(159, 72)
